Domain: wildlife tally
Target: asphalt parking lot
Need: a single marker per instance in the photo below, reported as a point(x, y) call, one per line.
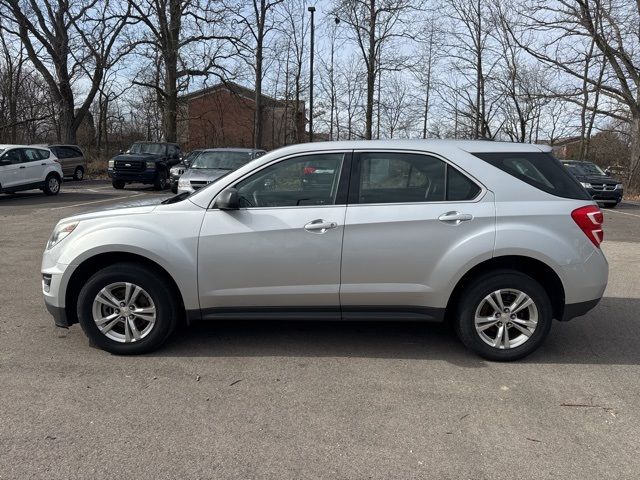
point(310, 400)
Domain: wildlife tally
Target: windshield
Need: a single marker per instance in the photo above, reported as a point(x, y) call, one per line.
point(585, 168)
point(222, 160)
point(191, 156)
point(152, 148)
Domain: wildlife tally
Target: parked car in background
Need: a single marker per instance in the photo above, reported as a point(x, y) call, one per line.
point(213, 163)
point(71, 159)
point(497, 238)
point(179, 169)
point(603, 189)
point(27, 168)
point(144, 162)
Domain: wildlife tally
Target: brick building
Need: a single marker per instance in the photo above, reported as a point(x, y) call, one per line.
point(222, 116)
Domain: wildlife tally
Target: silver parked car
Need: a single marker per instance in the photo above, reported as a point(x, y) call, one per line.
point(497, 238)
point(213, 163)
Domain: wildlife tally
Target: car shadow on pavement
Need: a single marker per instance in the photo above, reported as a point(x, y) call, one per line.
point(609, 334)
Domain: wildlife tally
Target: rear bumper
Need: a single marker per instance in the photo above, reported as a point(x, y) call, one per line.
point(573, 310)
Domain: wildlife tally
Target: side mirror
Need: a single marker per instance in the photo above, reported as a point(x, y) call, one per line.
point(228, 200)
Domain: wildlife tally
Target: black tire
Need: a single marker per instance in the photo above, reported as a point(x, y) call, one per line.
point(160, 182)
point(174, 188)
point(117, 184)
point(153, 284)
point(474, 294)
point(78, 174)
point(52, 184)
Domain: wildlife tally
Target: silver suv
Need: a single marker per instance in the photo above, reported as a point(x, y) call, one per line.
point(497, 238)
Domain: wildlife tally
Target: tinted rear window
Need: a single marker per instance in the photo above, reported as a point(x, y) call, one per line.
point(539, 169)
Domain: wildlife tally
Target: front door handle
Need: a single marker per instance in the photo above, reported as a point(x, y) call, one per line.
point(23, 166)
point(455, 218)
point(319, 226)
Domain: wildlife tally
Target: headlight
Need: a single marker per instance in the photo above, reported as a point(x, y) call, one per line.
point(619, 186)
point(111, 163)
point(151, 165)
point(184, 184)
point(61, 232)
point(585, 184)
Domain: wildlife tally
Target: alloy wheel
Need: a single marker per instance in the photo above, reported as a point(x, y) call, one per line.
point(506, 318)
point(124, 312)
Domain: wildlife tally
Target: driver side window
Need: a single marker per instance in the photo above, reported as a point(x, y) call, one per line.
point(300, 181)
point(12, 157)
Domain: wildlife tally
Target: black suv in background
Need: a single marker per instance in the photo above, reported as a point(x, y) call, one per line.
point(144, 162)
point(603, 189)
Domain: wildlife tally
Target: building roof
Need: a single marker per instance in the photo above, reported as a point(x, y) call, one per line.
point(237, 89)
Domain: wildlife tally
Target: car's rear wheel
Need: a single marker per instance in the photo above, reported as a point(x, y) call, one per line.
point(51, 184)
point(160, 182)
point(117, 184)
point(78, 174)
point(503, 315)
point(127, 309)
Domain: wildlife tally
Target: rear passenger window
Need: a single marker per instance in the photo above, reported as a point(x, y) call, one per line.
point(409, 178)
point(33, 154)
point(400, 178)
point(539, 169)
point(459, 187)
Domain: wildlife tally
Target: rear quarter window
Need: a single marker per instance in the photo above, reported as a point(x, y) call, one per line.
point(538, 169)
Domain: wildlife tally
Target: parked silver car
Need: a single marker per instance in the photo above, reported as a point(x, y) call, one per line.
point(213, 163)
point(497, 238)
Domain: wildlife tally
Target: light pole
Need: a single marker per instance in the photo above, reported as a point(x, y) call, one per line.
point(311, 9)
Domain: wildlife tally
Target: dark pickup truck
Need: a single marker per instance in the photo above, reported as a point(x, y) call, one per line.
point(144, 162)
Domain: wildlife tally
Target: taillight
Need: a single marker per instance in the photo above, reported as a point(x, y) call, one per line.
point(308, 170)
point(590, 220)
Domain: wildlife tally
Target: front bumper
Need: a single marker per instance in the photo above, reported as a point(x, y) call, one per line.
point(59, 315)
point(606, 196)
point(148, 176)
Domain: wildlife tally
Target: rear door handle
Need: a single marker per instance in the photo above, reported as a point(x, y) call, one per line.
point(319, 226)
point(455, 218)
point(23, 166)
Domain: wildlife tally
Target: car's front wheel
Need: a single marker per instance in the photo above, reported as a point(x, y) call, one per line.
point(503, 315)
point(160, 182)
point(127, 309)
point(117, 184)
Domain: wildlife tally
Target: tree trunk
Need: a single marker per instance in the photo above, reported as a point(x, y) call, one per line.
point(257, 119)
point(634, 161)
point(371, 72)
point(171, 99)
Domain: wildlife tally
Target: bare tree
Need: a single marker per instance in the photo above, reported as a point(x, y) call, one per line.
point(550, 32)
point(372, 24)
point(66, 41)
point(429, 40)
point(469, 49)
point(188, 39)
point(293, 25)
point(257, 20)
